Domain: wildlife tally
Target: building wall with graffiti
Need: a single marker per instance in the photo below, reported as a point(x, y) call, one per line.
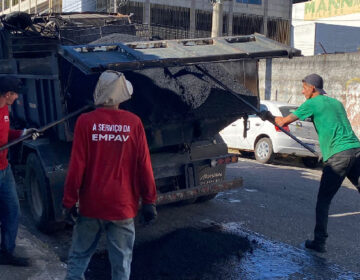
point(280, 79)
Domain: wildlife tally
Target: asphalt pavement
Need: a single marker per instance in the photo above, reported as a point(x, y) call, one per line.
point(45, 265)
point(275, 207)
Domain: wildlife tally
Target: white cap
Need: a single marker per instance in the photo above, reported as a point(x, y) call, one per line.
point(112, 89)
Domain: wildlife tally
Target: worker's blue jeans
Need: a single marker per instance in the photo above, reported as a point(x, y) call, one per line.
point(336, 168)
point(120, 237)
point(9, 210)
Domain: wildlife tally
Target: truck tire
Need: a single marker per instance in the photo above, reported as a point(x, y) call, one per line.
point(264, 150)
point(205, 198)
point(38, 194)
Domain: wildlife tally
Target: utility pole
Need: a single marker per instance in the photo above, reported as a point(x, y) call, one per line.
point(217, 18)
point(29, 6)
point(265, 27)
point(146, 13)
point(115, 8)
point(2, 6)
point(192, 19)
point(230, 17)
point(35, 6)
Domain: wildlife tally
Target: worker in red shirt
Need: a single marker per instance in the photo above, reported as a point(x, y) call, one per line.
point(9, 202)
point(109, 173)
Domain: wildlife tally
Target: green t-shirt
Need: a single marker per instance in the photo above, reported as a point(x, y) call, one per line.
point(331, 122)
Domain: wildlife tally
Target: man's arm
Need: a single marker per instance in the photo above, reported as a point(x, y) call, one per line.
point(77, 166)
point(282, 121)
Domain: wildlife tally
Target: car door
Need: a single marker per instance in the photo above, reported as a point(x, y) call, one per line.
point(233, 134)
point(255, 127)
point(304, 130)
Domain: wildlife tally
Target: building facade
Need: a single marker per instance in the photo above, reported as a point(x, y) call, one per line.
point(169, 19)
point(326, 26)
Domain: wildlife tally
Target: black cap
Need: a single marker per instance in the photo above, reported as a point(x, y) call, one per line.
point(316, 81)
point(9, 83)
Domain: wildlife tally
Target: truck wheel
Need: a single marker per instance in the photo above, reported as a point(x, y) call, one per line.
point(205, 198)
point(37, 194)
point(310, 162)
point(264, 150)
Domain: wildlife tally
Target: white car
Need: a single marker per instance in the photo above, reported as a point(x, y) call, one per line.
point(266, 140)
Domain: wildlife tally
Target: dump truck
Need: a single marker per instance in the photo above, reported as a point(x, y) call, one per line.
point(59, 58)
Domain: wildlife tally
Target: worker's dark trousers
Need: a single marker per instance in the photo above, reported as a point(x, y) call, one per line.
point(337, 167)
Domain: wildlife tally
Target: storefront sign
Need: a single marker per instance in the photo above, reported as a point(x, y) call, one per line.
point(330, 8)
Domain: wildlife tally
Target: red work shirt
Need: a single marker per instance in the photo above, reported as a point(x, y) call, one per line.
point(110, 167)
point(6, 135)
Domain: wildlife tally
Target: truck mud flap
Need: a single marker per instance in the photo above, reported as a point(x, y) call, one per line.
point(169, 197)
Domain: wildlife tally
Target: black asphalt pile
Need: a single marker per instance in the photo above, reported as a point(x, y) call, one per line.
point(177, 93)
point(183, 254)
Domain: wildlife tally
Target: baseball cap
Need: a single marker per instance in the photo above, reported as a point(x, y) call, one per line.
point(9, 83)
point(316, 81)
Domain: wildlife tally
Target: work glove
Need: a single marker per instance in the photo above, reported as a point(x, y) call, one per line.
point(266, 116)
point(148, 213)
point(33, 131)
point(70, 214)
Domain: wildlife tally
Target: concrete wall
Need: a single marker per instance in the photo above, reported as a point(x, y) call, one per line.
point(280, 79)
point(276, 8)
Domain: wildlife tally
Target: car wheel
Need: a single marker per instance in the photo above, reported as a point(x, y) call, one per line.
point(310, 162)
point(264, 150)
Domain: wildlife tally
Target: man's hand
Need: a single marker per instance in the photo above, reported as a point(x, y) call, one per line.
point(148, 213)
point(70, 214)
point(266, 116)
point(35, 133)
point(280, 121)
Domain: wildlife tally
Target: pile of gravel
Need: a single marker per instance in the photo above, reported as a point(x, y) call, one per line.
point(187, 253)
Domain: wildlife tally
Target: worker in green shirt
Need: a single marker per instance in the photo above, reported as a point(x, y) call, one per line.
point(339, 146)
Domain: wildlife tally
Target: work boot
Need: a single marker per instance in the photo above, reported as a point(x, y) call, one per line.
point(11, 259)
point(315, 245)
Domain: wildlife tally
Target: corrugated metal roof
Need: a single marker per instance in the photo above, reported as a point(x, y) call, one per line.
point(167, 53)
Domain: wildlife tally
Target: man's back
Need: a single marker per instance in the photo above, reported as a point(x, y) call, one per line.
point(111, 146)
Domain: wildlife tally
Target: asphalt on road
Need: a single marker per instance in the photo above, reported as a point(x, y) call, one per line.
point(278, 202)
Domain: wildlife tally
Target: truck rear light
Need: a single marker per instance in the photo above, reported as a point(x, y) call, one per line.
point(285, 127)
point(226, 160)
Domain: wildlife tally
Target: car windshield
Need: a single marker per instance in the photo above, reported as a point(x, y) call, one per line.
point(286, 110)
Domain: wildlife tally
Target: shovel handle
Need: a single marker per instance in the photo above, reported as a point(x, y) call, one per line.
point(46, 127)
